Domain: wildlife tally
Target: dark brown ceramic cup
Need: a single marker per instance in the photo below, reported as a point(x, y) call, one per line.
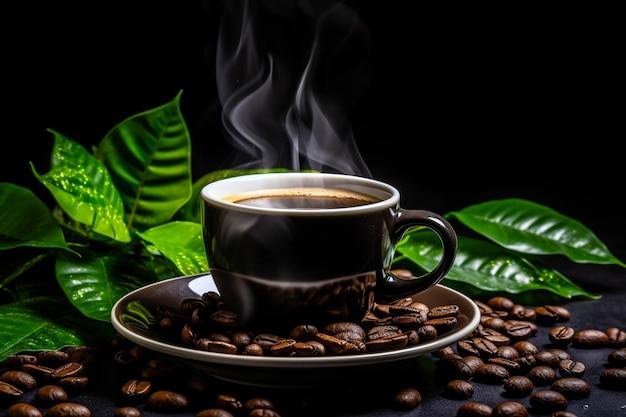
point(306, 247)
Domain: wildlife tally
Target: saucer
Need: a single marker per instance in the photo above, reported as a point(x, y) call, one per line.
point(130, 314)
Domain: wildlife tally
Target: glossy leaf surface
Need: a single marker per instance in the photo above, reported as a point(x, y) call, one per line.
point(148, 156)
point(26, 221)
point(181, 243)
point(93, 284)
point(45, 323)
point(82, 187)
point(528, 227)
point(488, 266)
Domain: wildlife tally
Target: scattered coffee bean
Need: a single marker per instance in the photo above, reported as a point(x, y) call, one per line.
point(547, 401)
point(519, 386)
point(19, 379)
point(23, 410)
point(572, 387)
point(68, 410)
point(474, 409)
point(50, 394)
point(614, 378)
point(167, 401)
point(407, 399)
point(590, 339)
point(459, 389)
point(509, 409)
point(127, 412)
point(617, 358)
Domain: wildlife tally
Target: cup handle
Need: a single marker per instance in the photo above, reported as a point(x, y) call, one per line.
point(394, 287)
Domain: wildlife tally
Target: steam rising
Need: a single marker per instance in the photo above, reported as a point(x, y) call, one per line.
point(287, 73)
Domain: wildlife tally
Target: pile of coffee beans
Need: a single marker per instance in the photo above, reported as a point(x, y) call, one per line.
point(499, 352)
point(208, 324)
point(53, 376)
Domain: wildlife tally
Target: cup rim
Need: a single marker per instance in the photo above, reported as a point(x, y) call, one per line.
point(214, 192)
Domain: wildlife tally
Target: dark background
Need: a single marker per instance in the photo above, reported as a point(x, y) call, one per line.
point(459, 105)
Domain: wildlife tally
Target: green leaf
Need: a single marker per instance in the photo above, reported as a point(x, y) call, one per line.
point(488, 266)
point(148, 156)
point(528, 227)
point(182, 243)
point(83, 188)
point(26, 221)
point(94, 283)
point(46, 323)
point(191, 210)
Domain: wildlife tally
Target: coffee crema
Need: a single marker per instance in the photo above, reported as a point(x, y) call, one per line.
point(302, 198)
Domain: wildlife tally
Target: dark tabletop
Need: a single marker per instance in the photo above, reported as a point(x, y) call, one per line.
point(459, 109)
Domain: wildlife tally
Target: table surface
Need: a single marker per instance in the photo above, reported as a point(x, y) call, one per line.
point(371, 397)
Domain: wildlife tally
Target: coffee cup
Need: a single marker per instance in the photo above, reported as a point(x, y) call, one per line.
point(307, 247)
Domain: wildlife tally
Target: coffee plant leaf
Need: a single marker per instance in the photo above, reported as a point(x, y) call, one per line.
point(488, 266)
point(149, 158)
point(46, 323)
point(528, 227)
point(180, 242)
point(82, 187)
point(26, 221)
point(93, 283)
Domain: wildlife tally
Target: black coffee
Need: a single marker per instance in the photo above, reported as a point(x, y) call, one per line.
point(303, 198)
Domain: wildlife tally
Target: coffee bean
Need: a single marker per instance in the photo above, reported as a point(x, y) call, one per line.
point(407, 399)
point(303, 333)
point(572, 387)
point(16, 361)
point(474, 409)
point(617, 337)
point(547, 358)
point(550, 314)
point(459, 389)
point(561, 335)
point(491, 373)
point(519, 386)
point(68, 369)
point(614, 378)
point(23, 410)
point(590, 339)
point(136, 389)
point(214, 412)
point(547, 401)
point(68, 410)
point(500, 303)
point(9, 393)
point(217, 346)
point(229, 402)
point(524, 347)
point(258, 403)
point(167, 401)
point(52, 358)
point(568, 367)
point(263, 412)
point(127, 412)
point(509, 409)
point(19, 379)
point(563, 413)
point(283, 348)
point(84, 355)
point(510, 365)
point(542, 375)
point(73, 384)
point(617, 358)
point(50, 394)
